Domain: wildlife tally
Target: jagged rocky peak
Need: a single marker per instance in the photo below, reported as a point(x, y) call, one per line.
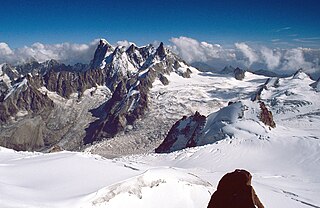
point(132, 48)
point(300, 74)
point(32, 66)
point(161, 51)
point(103, 50)
point(49, 64)
point(235, 119)
point(8, 74)
point(130, 74)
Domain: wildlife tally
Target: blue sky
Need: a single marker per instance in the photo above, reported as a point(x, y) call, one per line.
point(286, 23)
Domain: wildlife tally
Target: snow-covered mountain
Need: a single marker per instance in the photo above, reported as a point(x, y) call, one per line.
point(132, 97)
point(128, 73)
point(131, 74)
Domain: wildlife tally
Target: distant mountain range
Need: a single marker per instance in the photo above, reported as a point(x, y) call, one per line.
point(52, 105)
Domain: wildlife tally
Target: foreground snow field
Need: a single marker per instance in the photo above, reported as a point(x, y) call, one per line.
point(285, 173)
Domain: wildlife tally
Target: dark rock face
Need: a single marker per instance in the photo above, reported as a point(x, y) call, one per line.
point(26, 97)
point(10, 72)
point(271, 82)
point(163, 79)
point(161, 51)
point(115, 118)
point(183, 131)
point(65, 83)
point(239, 74)
point(266, 116)
point(128, 103)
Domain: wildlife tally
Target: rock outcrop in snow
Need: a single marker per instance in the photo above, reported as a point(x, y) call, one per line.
point(243, 117)
point(239, 74)
point(183, 133)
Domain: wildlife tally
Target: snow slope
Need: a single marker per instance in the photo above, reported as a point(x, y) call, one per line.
point(285, 172)
point(69, 179)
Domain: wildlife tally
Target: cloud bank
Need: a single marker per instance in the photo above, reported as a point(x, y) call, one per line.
point(69, 53)
point(284, 61)
point(244, 55)
point(192, 50)
point(247, 52)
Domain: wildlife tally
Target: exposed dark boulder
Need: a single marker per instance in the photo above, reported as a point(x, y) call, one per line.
point(239, 74)
point(235, 190)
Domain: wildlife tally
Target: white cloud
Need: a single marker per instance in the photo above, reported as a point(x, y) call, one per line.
point(294, 59)
point(283, 29)
point(69, 53)
point(248, 53)
point(244, 55)
point(124, 43)
point(271, 57)
point(192, 50)
point(5, 49)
